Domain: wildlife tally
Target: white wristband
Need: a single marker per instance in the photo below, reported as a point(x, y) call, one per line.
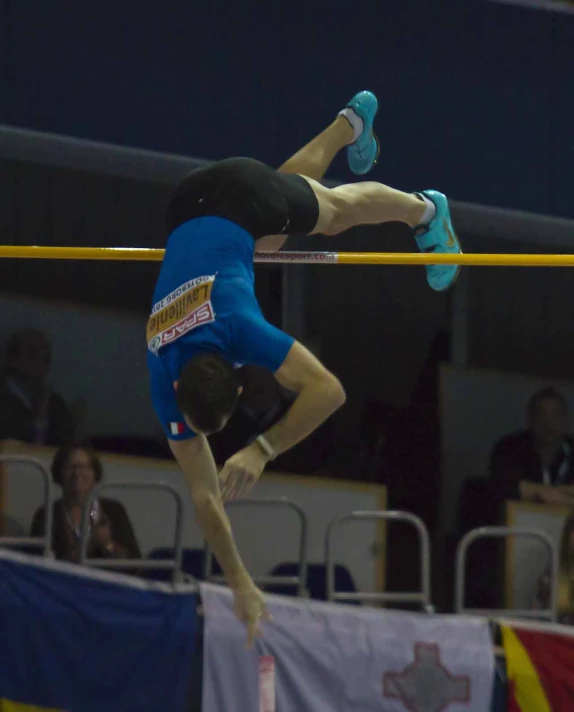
point(265, 446)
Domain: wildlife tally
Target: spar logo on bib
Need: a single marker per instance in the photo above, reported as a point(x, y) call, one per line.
point(183, 310)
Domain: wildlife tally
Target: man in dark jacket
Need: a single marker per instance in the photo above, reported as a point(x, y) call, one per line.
point(537, 464)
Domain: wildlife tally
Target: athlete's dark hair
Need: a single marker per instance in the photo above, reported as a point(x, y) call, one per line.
point(207, 391)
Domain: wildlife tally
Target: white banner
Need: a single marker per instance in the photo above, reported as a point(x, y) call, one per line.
point(319, 657)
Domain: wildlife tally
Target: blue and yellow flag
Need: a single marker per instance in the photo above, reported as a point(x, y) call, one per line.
point(10, 706)
point(73, 640)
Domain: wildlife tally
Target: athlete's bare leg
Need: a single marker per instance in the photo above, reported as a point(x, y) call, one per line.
point(314, 158)
point(370, 203)
point(348, 205)
point(365, 203)
point(312, 161)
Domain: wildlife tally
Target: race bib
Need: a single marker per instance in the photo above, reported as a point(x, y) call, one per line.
point(183, 310)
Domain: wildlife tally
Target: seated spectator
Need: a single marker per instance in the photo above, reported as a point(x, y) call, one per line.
point(361, 454)
point(537, 464)
point(565, 597)
point(263, 401)
point(261, 404)
point(77, 468)
point(30, 411)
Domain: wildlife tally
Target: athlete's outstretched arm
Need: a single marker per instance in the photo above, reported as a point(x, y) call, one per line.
point(320, 394)
point(196, 461)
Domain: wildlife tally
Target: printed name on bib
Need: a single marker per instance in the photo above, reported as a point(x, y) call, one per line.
point(181, 311)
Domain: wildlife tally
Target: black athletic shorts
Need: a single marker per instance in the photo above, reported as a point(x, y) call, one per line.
point(248, 193)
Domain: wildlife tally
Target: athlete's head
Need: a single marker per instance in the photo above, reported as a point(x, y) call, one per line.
point(207, 392)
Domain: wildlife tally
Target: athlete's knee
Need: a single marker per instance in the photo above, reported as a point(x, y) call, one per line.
point(270, 243)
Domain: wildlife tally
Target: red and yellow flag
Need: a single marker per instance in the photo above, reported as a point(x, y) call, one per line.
point(540, 669)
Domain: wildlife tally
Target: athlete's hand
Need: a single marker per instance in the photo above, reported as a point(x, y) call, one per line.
point(242, 471)
point(249, 607)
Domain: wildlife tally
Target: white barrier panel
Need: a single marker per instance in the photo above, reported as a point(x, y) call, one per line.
point(325, 657)
point(526, 559)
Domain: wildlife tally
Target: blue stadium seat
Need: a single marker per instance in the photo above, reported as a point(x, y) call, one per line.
point(316, 580)
point(192, 564)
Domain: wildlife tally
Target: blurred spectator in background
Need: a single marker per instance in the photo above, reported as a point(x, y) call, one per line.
point(29, 410)
point(77, 468)
point(377, 456)
point(565, 598)
point(537, 464)
point(362, 453)
point(262, 403)
point(372, 447)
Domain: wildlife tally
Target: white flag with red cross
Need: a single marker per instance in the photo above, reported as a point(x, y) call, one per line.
point(330, 658)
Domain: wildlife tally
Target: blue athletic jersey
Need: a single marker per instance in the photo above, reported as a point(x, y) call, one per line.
point(204, 300)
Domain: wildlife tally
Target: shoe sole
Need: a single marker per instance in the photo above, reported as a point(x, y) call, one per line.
point(453, 282)
point(458, 267)
point(456, 274)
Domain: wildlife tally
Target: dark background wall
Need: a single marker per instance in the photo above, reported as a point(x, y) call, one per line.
point(475, 96)
point(474, 99)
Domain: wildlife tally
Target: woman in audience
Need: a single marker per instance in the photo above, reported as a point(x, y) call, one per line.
point(77, 468)
point(565, 598)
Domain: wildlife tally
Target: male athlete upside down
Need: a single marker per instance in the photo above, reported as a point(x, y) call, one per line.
point(206, 320)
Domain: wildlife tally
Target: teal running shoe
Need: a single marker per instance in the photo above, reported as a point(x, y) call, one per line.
point(439, 236)
point(364, 152)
